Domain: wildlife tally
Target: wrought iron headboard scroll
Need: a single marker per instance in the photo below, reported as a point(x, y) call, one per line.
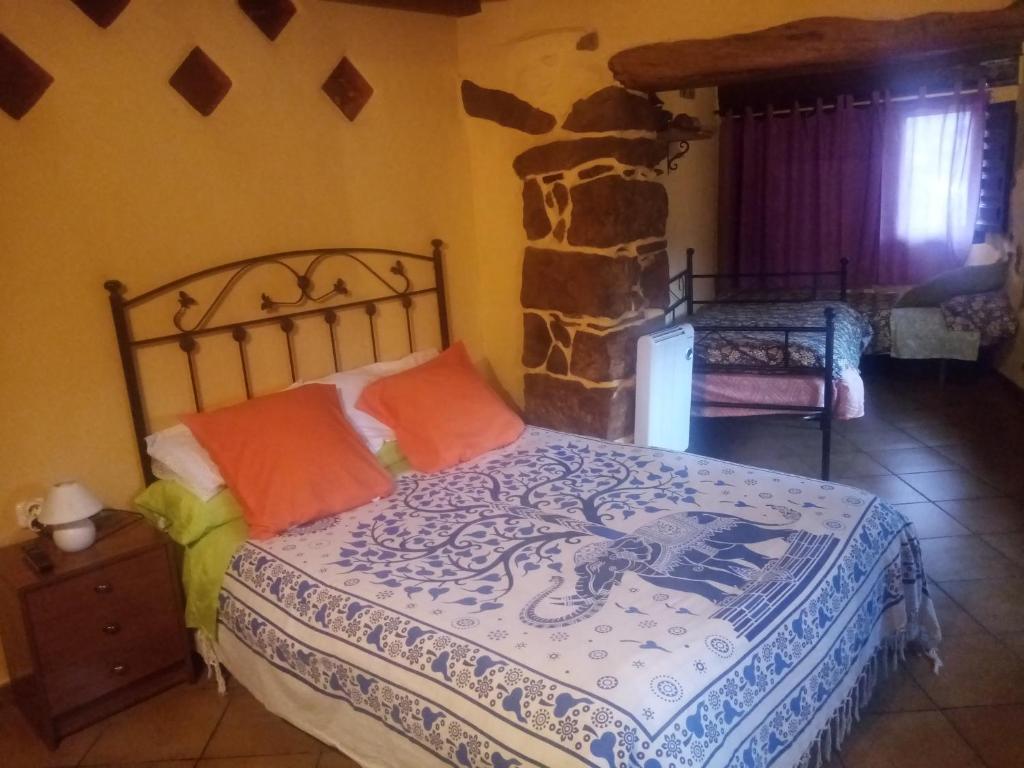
point(191, 321)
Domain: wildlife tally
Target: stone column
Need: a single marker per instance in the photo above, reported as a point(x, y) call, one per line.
point(595, 274)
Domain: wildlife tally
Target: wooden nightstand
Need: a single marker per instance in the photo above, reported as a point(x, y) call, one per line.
point(101, 631)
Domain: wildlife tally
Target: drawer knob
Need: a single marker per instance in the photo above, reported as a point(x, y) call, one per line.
point(103, 589)
point(112, 628)
point(119, 669)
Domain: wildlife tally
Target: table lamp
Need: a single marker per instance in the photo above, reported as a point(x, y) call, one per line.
point(67, 510)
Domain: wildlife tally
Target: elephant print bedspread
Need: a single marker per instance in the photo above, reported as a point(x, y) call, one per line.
point(567, 601)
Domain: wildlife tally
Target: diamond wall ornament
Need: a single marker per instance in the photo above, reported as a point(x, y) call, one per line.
point(348, 89)
point(103, 12)
point(22, 81)
point(271, 16)
point(201, 82)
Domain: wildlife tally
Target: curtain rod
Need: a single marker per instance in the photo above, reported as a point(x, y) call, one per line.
point(861, 103)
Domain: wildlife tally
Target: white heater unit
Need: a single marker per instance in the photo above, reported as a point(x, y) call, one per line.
point(664, 379)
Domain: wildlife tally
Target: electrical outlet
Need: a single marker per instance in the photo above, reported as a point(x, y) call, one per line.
point(27, 511)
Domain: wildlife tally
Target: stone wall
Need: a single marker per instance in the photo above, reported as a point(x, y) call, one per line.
point(595, 268)
point(595, 272)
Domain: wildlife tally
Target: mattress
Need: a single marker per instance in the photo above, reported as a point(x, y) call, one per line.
point(769, 349)
point(781, 389)
point(567, 601)
point(990, 313)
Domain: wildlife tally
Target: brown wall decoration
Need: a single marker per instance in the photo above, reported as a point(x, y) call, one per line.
point(22, 81)
point(201, 82)
point(271, 16)
point(505, 109)
point(348, 89)
point(615, 109)
point(103, 12)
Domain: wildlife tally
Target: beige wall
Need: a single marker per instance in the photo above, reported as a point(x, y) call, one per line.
point(528, 47)
point(112, 174)
point(1012, 364)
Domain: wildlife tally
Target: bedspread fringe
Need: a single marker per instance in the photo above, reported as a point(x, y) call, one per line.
point(206, 648)
point(885, 660)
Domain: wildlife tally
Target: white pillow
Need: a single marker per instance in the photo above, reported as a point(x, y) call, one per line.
point(350, 385)
point(177, 455)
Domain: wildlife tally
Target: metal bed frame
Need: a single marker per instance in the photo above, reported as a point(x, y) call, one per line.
point(302, 266)
point(681, 287)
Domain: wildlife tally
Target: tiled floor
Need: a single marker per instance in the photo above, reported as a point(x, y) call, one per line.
point(951, 457)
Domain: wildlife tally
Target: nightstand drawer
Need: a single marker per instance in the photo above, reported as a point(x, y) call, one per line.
point(104, 629)
point(121, 616)
point(88, 679)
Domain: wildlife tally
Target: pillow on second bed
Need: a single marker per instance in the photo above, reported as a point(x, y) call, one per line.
point(290, 457)
point(442, 411)
point(976, 278)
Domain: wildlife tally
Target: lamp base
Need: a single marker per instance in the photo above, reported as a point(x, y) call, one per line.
point(76, 536)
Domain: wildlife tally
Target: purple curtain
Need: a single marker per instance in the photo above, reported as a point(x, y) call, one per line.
point(801, 190)
point(891, 186)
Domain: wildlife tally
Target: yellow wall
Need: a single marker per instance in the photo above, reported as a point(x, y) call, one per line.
point(113, 175)
point(528, 47)
point(1012, 363)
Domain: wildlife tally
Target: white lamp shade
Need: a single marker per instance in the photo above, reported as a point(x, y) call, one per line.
point(68, 502)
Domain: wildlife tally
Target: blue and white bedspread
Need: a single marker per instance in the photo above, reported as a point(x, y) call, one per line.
point(566, 601)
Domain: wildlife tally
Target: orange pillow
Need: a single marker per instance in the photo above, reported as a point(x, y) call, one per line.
point(442, 411)
point(290, 457)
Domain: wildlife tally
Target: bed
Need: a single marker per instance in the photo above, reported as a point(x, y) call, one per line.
point(988, 316)
point(760, 352)
point(558, 601)
point(981, 319)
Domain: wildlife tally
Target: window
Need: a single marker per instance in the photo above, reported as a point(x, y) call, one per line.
point(935, 179)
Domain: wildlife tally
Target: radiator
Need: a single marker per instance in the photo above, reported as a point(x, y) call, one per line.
point(664, 378)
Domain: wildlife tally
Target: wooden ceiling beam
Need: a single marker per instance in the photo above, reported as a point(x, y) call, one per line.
point(439, 7)
point(825, 44)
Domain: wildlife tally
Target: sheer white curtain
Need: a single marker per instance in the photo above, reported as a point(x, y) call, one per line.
point(931, 178)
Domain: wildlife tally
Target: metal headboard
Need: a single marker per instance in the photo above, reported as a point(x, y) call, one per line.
point(395, 287)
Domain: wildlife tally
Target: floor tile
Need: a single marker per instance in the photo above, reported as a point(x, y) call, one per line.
point(899, 693)
point(263, 761)
point(953, 620)
point(1011, 545)
point(333, 759)
point(907, 740)
point(1015, 642)
point(888, 488)
point(21, 748)
point(857, 464)
point(873, 420)
point(248, 728)
point(949, 484)
point(994, 515)
point(902, 460)
point(977, 670)
point(970, 455)
point(995, 733)
point(934, 432)
point(174, 725)
point(998, 604)
point(882, 439)
point(930, 522)
point(957, 558)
